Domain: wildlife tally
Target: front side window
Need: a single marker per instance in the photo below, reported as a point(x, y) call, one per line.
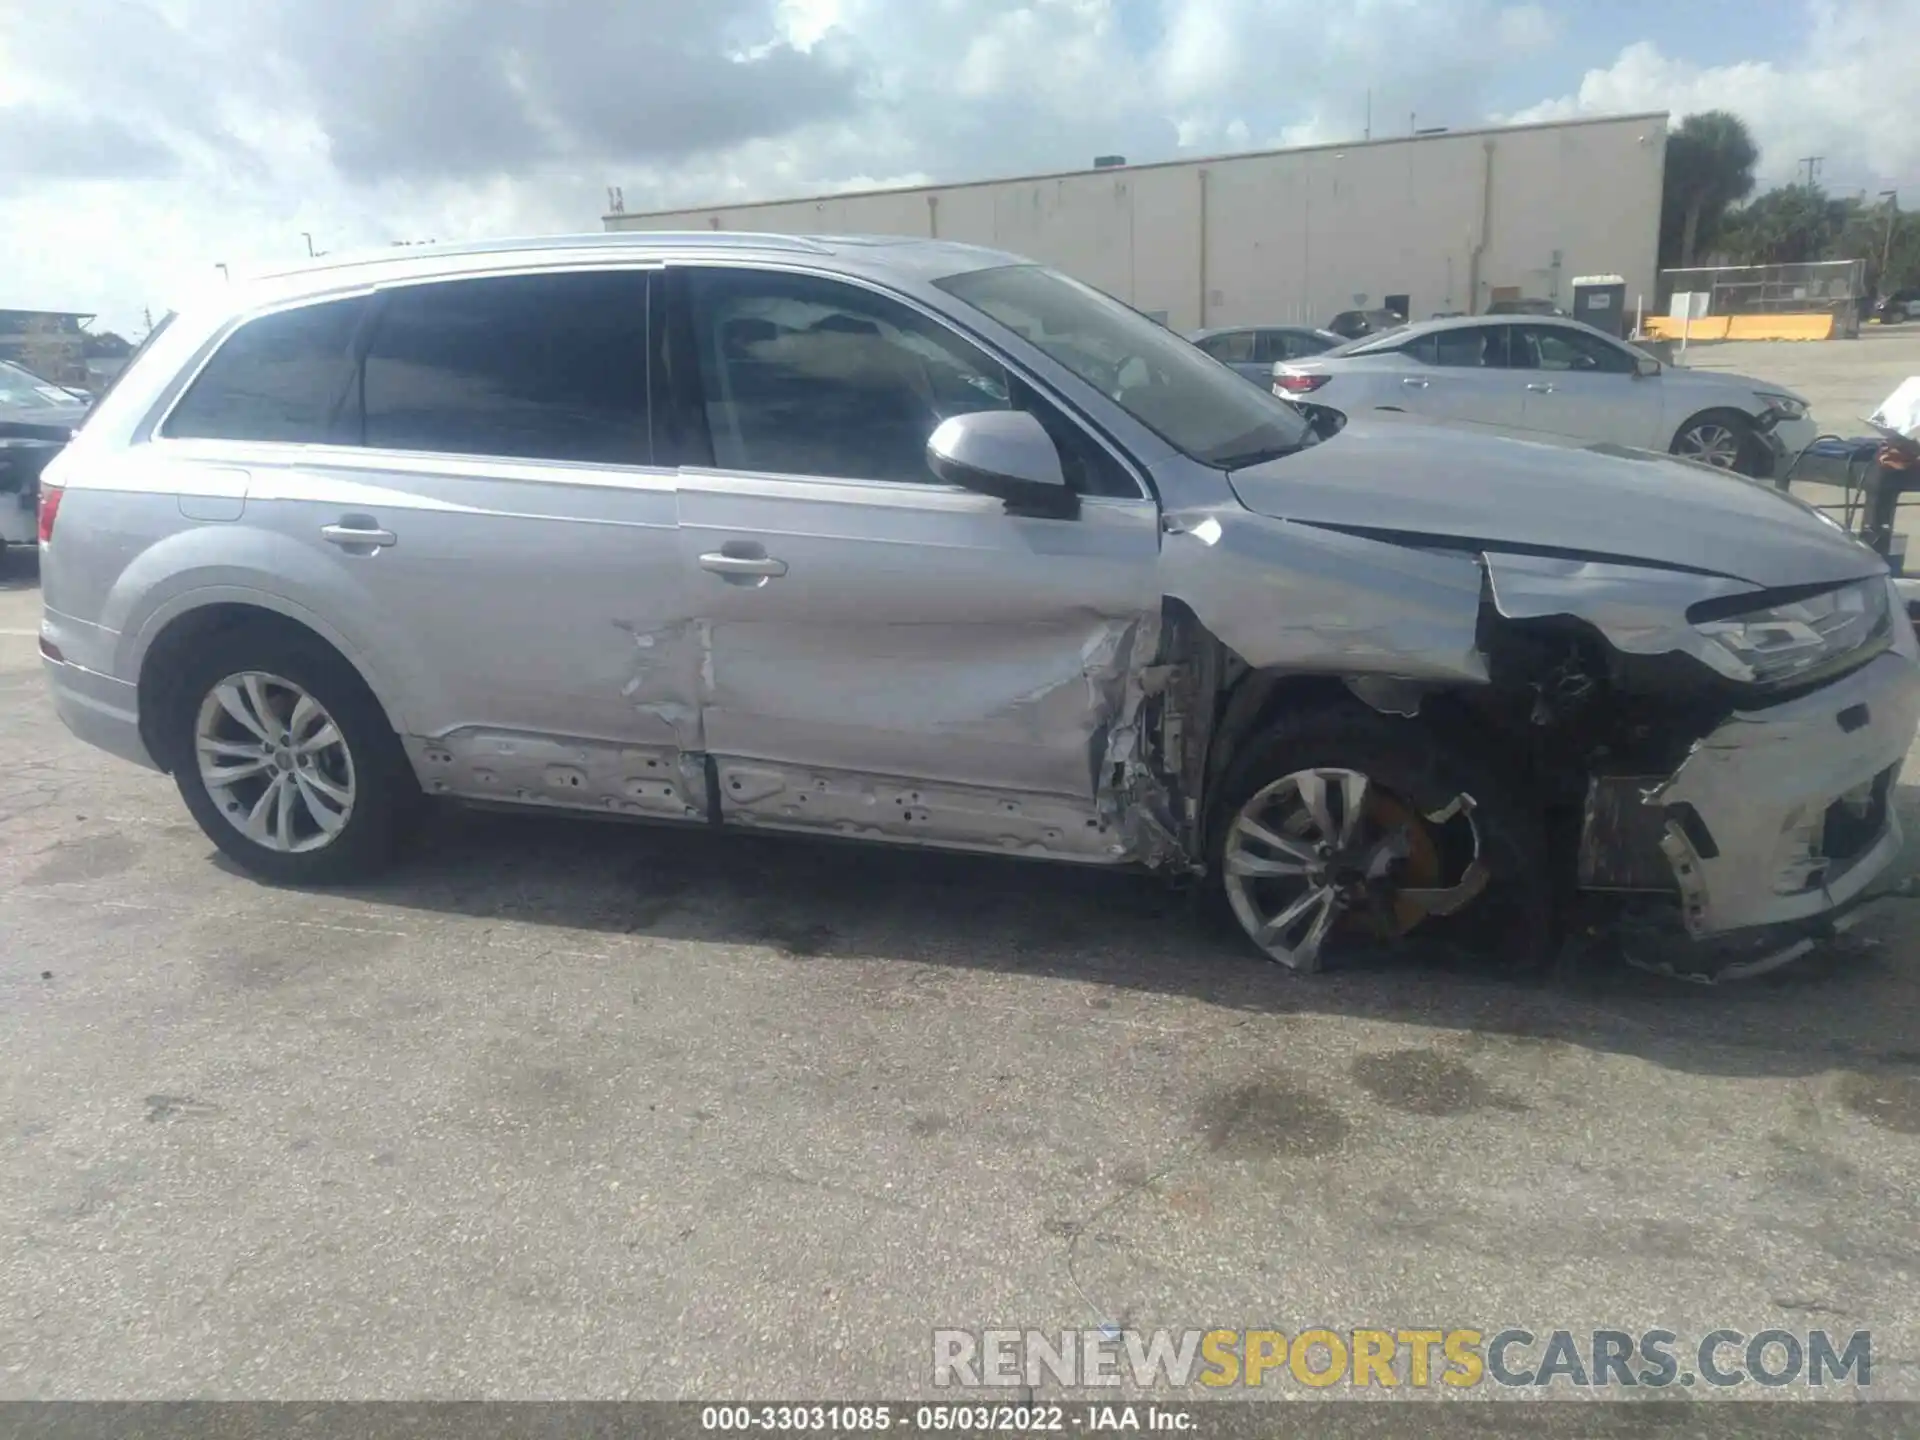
point(1557, 347)
point(287, 377)
point(537, 367)
point(805, 376)
point(1164, 383)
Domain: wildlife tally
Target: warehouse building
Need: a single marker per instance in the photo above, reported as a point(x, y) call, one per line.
point(1431, 223)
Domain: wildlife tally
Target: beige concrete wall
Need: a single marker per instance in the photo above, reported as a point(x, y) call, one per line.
point(1297, 235)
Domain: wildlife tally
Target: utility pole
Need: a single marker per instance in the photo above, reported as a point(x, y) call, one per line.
point(1369, 131)
point(1812, 162)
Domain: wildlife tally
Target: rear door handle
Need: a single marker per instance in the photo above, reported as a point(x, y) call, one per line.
point(1413, 382)
point(358, 537)
point(1539, 389)
point(764, 566)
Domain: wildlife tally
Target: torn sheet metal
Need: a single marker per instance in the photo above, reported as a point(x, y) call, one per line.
point(1762, 784)
point(1308, 599)
point(508, 767)
point(1640, 611)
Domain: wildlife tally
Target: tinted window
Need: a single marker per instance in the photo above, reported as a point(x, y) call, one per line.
point(1234, 348)
point(540, 367)
point(1557, 347)
point(286, 376)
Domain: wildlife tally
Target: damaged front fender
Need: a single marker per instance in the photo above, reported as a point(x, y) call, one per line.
point(1283, 595)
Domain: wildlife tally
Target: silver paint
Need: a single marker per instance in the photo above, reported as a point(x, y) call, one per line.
point(564, 635)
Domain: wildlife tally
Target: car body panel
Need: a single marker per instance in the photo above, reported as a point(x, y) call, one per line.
point(1525, 495)
point(923, 667)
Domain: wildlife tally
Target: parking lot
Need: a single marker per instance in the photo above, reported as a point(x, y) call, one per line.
point(574, 1109)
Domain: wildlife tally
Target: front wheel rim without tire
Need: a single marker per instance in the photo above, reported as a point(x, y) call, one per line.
point(274, 762)
point(1716, 444)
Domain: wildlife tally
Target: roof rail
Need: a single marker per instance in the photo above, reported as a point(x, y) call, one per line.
point(592, 240)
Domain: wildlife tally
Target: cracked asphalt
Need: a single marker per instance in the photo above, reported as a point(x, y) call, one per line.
point(565, 1109)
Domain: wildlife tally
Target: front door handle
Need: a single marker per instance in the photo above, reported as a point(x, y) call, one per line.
point(764, 567)
point(1540, 389)
point(359, 535)
point(1413, 382)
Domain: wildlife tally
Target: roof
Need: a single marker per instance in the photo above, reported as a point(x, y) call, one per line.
point(1296, 325)
point(1104, 170)
point(876, 256)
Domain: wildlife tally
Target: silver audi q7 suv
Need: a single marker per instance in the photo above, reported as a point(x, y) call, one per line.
point(922, 544)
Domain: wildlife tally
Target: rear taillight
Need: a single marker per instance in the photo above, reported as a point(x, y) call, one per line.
point(49, 509)
point(1298, 384)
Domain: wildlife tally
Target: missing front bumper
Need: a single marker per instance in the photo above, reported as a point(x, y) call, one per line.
point(1777, 817)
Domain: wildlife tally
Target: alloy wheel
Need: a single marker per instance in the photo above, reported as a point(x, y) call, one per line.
point(1326, 851)
point(1710, 441)
point(274, 762)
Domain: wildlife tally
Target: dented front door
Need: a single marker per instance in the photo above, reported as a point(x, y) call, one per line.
point(886, 655)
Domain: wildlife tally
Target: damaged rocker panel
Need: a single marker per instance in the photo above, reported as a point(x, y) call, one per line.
point(766, 796)
point(596, 775)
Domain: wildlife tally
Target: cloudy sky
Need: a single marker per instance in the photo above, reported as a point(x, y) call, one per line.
point(142, 141)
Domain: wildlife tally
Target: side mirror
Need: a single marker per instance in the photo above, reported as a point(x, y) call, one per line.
point(1006, 453)
point(1645, 367)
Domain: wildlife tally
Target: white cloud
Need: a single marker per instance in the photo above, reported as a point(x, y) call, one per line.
point(255, 128)
point(1842, 99)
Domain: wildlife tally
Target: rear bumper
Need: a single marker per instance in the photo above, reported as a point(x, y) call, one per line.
point(100, 710)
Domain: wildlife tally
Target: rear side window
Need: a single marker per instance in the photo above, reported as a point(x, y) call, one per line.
point(1476, 347)
point(286, 376)
point(539, 367)
point(1234, 348)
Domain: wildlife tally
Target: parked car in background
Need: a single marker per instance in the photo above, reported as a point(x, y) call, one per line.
point(1253, 350)
point(1900, 306)
point(1525, 305)
point(1354, 324)
point(926, 545)
point(1561, 377)
point(37, 417)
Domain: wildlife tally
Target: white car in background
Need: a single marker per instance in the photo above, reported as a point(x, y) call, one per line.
point(1538, 373)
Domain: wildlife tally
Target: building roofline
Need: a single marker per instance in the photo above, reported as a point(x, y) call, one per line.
point(1219, 159)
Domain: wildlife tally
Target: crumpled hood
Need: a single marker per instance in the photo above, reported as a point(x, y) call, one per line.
point(1494, 490)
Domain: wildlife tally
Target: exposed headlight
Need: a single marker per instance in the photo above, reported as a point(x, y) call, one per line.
point(1789, 640)
point(1792, 407)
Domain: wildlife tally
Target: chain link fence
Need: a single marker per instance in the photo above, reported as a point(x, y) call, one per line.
point(1819, 287)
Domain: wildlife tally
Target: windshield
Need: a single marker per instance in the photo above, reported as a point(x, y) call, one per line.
point(1194, 403)
point(23, 390)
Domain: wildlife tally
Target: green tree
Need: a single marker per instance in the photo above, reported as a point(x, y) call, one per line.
point(1788, 226)
point(1710, 160)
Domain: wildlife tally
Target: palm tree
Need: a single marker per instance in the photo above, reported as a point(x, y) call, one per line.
point(1710, 160)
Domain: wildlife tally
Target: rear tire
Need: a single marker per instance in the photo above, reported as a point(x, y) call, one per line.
point(1724, 439)
point(1414, 778)
point(286, 760)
